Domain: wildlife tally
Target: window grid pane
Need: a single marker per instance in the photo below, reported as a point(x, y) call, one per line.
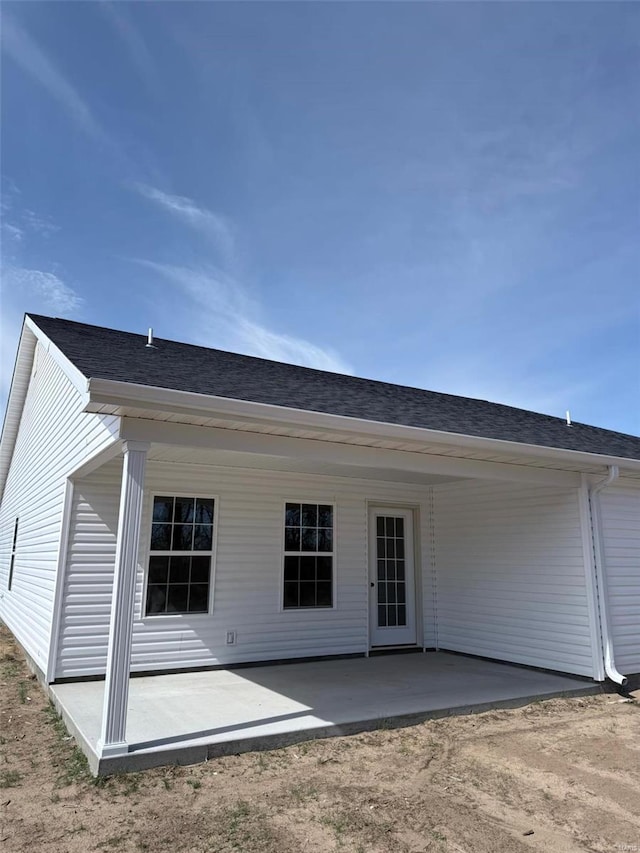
point(391, 586)
point(308, 561)
point(179, 578)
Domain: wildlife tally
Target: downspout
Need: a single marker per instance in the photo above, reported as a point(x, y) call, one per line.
point(600, 568)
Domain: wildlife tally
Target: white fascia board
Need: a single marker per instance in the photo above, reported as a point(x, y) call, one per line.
point(30, 336)
point(106, 392)
point(15, 402)
point(77, 379)
point(353, 456)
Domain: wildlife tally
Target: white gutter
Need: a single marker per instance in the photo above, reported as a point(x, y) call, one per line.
point(112, 395)
point(600, 568)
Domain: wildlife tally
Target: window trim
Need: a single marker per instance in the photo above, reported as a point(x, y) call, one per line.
point(334, 554)
point(148, 553)
point(12, 554)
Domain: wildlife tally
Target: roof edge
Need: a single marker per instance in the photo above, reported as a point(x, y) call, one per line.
point(30, 335)
point(15, 401)
point(115, 393)
point(77, 378)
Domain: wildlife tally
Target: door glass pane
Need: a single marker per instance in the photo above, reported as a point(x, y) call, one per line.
point(391, 587)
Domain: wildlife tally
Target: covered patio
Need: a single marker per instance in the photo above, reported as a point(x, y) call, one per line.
point(190, 717)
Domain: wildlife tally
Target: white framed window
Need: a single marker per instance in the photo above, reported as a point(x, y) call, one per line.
point(308, 556)
point(181, 549)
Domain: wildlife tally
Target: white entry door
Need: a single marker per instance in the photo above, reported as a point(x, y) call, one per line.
point(392, 585)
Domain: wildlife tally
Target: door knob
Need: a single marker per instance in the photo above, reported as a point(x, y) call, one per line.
point(372, 583)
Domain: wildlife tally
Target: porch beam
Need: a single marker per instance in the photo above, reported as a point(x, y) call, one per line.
point(188, 435)
point(116, 690)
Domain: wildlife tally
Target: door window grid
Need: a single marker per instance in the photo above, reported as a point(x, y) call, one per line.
point(391, 585)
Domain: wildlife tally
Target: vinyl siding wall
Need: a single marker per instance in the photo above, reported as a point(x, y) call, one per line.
point(248, 572)
point(620, 515)
point(54, 438)
point(510, 575)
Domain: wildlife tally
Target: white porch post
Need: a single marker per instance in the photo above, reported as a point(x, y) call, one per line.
point(116, 690)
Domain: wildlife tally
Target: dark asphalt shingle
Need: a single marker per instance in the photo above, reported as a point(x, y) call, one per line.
point(122, 356)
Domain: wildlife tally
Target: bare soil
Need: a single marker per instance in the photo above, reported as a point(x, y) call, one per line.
point(557, 775)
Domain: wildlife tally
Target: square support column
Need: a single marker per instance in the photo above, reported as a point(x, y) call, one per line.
point(116, 690)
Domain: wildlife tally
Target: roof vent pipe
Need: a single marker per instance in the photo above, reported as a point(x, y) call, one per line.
point(568, 418)
point(150, 343)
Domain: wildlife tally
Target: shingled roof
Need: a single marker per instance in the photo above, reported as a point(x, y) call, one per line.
point(122, 356)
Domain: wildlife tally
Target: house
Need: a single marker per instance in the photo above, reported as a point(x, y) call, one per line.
point(167, 507)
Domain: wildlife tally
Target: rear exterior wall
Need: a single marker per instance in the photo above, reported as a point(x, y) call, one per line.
point(510, 575)
point(248, 570)
point(504, 562)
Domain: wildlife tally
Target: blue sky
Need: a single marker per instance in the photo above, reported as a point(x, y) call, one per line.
point(444, 195)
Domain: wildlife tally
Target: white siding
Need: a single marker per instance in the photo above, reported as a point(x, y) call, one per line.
point(248, 570)
point(54, 437)
point(510, 575)
point(620, 512)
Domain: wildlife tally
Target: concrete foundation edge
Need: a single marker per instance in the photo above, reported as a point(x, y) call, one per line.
point(198, 754)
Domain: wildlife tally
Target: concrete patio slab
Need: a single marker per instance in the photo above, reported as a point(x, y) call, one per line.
point(190, 717)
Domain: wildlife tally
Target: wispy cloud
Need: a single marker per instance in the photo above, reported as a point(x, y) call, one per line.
point(24, 287)
point(220, 311)
point(14, 232)
point(45, 288)
point(24, 290)
point(207, 222)
point(38, 224)
point(19, 223)
point(118, 16)
point(22, 48)
point(221, 314)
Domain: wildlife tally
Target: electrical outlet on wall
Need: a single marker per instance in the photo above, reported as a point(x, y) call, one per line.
point(231, 638)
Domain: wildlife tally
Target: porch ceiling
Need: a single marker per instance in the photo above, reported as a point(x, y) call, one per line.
point(188, 717)
point(230, 458)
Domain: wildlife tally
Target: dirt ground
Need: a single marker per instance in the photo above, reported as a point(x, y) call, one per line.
point(558, 775)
